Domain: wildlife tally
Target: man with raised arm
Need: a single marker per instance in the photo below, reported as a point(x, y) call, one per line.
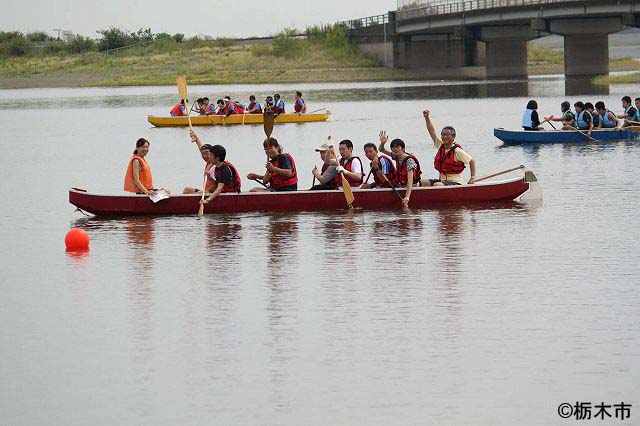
point(451, 159)
point(408, 170)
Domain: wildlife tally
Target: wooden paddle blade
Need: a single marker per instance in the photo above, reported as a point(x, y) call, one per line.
point(348, 193)
point(181, 82)
point(268, 123)
point(201, 210)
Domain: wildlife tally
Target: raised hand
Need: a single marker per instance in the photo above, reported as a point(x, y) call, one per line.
point(383, 136)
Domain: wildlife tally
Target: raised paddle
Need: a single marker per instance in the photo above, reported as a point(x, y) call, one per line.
point(500, 173)
point(181, 82)
point(267, 118)
point(346, 188)
point(204, 191)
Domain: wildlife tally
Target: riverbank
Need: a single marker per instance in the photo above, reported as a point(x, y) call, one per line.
point(216, 63)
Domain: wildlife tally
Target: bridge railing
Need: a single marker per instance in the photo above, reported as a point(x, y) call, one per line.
point(366, 22)
point(411, 9)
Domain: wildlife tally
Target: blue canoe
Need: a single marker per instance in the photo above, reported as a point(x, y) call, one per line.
point(565, 136)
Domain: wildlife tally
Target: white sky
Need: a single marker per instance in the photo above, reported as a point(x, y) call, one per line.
point(215, 18)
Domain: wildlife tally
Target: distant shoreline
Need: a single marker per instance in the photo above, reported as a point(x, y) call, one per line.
point(304, 76)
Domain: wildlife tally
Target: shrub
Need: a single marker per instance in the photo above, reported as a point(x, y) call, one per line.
point(38, 36)
point(142, 36)
point(54, 46)
point(9, 35)
point(178, 37)
point(331, 36)
point(80, 44)
point(260, 50)
point(285, 44)
point(163, 36)
point(19, 46)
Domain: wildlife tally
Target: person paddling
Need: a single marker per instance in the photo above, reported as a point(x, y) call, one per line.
point(326, 176)
point(179, 109)
point(584, 120)
point(608, 119)
point(450, 160)
point(138, 178)
point(253, 107)
point(348, 164)
point(595, 118)
point(300, 106)
point(630, 112)
point(278, 105)
point(281, 174)
point(408, 170)
point(204, 153)
point(224, 174)
point(382, 168)
point(567, 118)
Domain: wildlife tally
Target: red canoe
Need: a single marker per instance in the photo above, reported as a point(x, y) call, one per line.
point(132, 204)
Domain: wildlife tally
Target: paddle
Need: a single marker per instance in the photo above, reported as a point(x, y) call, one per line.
point(346, 188)
point(316, 110)
point(267, 118)
point(499, 173)
point(181, 82)
point(583, 134)
point(633, 122)
point(550, 124)
point(204, 191)
point(261, 182)
point(369, 174)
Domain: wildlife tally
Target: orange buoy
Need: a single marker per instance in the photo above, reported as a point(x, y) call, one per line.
point(76, 239)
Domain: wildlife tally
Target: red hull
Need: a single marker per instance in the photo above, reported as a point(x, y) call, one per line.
point(126, 204)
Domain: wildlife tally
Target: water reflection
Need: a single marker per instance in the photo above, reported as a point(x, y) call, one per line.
point(583, 85)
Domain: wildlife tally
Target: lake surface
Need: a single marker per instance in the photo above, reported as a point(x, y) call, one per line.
point(484, 315)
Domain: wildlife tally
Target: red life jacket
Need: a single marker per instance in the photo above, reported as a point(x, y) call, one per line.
point(445, 162)
point(237, 109)
point(277, 180)
point(401, 170)
point(235, 184)
point(276, 109)
point(176, 110)
point(391, 175)
point(252, 105)
point(354, 183)
point(297, 107)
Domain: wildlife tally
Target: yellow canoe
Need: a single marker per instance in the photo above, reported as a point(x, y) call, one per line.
point(218, 120)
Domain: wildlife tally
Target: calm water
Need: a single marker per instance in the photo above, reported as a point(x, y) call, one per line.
point(487, 315)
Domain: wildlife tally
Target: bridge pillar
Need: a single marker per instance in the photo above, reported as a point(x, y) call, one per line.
point(586, 44)
point(506, 49)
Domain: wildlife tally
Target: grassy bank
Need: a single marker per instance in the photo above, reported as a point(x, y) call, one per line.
point(633, 78)
point(288, 60)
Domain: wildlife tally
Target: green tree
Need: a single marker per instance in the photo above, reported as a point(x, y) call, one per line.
point(286, 44)
point(114, 38)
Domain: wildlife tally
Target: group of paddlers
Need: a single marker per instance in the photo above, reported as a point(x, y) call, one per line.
point(226, 106)
point(586, 117)
point(390, 168)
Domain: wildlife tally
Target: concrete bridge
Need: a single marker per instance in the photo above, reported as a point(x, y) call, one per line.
point(439, 36)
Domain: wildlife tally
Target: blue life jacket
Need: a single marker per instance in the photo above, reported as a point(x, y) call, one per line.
point(606, 121)
point(581, 123)
point(636, 116)
point(596, 118)
point(526, 118)
point(564, 115)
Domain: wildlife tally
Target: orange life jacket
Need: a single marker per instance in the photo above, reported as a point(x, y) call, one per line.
point(145, 176)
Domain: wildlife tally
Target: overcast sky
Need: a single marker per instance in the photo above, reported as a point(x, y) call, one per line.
point(213, 17)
